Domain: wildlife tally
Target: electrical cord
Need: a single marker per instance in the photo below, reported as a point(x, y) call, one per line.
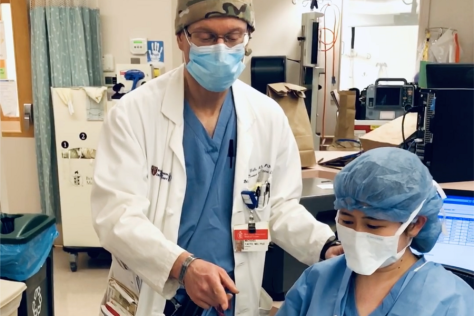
point(412, 145)
point(414, 109)
point(403, 129)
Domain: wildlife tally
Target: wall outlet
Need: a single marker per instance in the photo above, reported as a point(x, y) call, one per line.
point(110, 80)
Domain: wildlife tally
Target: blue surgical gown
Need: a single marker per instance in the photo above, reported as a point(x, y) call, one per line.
point(205, 228)
point(427, 289)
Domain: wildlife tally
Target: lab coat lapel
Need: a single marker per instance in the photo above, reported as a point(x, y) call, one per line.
point(245, 120)
point(172, 108)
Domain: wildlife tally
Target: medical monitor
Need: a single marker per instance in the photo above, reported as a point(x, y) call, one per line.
point(450, 75)
point(456, 248)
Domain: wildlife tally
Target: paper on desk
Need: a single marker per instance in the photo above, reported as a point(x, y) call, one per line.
point(326, 186)
point(9, 98)
point(3, 44)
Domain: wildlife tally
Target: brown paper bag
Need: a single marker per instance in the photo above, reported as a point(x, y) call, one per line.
point(390, 134)
point(345, 122)
point(291, 98)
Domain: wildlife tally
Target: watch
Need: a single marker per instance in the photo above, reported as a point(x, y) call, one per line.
point(184, 268)
point(331, 242)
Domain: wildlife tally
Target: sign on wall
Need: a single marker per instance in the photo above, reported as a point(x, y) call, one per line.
point(156, 52)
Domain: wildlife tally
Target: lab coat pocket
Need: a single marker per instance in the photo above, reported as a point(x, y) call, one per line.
point(263, 191)
point(123, 290)
point(263, 214)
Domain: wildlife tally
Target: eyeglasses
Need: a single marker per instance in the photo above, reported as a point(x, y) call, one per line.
point(203, 38)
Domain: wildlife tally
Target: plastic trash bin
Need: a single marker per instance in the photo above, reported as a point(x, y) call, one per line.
point(10, 297)
point(26, 243)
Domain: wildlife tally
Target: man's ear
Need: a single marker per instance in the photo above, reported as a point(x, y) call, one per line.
point(248, 50)
point(180, 40)
point(414, 229)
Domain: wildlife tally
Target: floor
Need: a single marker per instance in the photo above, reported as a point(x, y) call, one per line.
point(79, 293)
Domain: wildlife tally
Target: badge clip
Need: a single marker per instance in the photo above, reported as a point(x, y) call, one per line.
point(252, 228)
point(250, 199)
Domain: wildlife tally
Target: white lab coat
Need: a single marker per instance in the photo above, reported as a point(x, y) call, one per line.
point(137, 215)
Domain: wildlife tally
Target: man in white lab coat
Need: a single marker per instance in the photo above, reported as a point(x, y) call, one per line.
point(196, 172)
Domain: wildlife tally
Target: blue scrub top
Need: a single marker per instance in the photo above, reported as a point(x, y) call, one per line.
point(205, 229)
point(387, 303)
point(426, 290)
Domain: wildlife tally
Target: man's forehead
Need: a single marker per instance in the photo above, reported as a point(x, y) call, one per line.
point(219, 24)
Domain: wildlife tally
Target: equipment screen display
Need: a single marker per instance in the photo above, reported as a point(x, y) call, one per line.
point(456, 247)
point(387, 96)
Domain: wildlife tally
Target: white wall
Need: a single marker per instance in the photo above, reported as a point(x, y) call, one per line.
point(395, 46)
point(459, 15)
point(124, 19)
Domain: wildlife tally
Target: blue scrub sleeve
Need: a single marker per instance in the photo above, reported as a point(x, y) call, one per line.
point(462, 306)
point(298, 298)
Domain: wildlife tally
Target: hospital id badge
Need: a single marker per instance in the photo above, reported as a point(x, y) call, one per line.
point(247, 240)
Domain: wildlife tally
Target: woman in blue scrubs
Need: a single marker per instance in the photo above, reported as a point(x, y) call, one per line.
point(388, 203)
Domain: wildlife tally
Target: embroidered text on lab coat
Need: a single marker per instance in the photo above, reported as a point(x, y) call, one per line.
point(159, 173)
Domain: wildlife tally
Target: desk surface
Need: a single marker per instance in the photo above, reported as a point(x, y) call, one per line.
point(466, 186)
point(317, 187)
point(330, 173)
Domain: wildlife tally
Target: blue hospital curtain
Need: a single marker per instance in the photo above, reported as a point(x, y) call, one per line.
point(66, 52)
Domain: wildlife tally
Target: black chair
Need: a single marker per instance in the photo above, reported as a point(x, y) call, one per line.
point(466, 275)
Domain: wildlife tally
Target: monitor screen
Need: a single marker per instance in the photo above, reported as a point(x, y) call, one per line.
point(456, 248)
point(450, 76)
point(387, 96)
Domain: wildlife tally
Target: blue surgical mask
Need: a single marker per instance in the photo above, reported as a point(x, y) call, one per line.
point(216, 67)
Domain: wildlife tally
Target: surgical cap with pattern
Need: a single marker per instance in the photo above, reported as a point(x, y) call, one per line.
point(191, 11)
point(389, 184)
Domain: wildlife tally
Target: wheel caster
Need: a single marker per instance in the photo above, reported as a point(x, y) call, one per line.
point(73, 266)
point(73, 261)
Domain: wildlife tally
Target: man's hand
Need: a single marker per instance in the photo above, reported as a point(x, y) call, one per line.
point(334, 251)
point(206, 285)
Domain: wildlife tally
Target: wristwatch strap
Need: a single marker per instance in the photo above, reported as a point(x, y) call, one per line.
point(330, 243)
point(184, 268)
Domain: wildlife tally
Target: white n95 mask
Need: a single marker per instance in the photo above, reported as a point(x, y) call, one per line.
point(365, 253)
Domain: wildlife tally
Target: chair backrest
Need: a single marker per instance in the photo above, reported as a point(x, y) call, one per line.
point(466, 275)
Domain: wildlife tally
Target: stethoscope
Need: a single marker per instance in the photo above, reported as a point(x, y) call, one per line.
point(340, 307)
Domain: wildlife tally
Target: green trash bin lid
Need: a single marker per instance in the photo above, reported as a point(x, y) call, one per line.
point(16, 229)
